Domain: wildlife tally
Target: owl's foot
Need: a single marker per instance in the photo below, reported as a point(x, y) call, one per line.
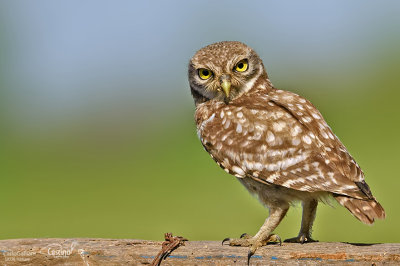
point(246, 240)
point(302, 238)
point(238, 241)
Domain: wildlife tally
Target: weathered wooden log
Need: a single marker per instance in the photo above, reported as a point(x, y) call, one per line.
point(81, 251)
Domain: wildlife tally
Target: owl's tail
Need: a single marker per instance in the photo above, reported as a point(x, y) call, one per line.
point(364, 210)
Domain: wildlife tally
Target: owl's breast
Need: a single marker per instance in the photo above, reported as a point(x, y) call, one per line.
point(243, 140)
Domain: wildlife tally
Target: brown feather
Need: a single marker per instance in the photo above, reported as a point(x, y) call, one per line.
point(364, 210)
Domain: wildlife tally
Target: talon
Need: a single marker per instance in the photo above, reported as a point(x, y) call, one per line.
point(251, 253)
point(252, 250)
point(225, 239)
point(274, 239)
point(245, 236)
point(279, 239)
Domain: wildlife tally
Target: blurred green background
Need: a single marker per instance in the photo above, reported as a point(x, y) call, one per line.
point(97, 137)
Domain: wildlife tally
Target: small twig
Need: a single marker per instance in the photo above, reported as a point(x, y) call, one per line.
point(170, 244)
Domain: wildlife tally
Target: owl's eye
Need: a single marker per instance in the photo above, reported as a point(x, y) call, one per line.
point(204, 73)
point(242, 65)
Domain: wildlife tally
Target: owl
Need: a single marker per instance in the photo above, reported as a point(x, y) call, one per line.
point(275, 142)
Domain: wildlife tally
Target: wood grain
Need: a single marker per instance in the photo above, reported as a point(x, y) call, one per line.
point(81, 251)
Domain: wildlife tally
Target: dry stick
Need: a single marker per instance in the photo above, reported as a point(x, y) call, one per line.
point(170, 244)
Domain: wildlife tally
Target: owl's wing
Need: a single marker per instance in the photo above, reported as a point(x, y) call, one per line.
point(335, 164)
point(279, 138)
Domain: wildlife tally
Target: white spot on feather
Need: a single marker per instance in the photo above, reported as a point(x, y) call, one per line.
point(312, 178)
point(296, 141)
point(323, 133)
point(366, 208)
point(296, 130)
point(305, 188)
point(208, 120)
point(272, 167)
point(307, 139)
point(331, 175)
point(316, 116)
point(259, 166)
point(279, 126)
point(238, 170)
point(273, 177)
point(227, 124)
point(306, 119)
point(348, 187)
point(270, 136)
point(289, 183)
point(326, 184)
point(239, 128)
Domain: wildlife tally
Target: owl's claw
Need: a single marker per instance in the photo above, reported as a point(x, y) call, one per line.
point(243, 241)
point(246, 240)
point(225, 239)
point(275, 239)
point(245, 236)
point(242, 236)
point(302, 238)
point(249, 257)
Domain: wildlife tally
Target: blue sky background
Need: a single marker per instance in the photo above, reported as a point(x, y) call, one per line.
point(64, 55)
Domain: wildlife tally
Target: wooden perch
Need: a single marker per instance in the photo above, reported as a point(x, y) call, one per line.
point(137, 252)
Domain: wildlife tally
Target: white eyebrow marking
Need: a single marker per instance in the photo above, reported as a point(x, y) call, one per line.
point(251, 82)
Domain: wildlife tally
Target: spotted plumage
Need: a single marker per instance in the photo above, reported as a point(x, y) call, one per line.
point(275, 142)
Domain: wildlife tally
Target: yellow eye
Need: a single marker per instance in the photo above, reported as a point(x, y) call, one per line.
point(242, 65)
point(204, 73)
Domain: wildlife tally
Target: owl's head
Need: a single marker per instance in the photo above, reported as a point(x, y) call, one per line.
point(223, 71)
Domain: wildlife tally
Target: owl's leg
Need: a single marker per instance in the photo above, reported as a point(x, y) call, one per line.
point(307, 220)
point(264, 235)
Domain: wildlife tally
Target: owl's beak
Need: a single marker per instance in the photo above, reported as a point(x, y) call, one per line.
point(226, 86)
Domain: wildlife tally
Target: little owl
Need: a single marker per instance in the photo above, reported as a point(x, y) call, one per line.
point(275, 142)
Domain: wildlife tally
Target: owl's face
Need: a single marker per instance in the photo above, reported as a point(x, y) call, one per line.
point(223, 71)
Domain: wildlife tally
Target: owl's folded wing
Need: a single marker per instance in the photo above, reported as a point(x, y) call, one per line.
point(336, 166)
point(280, 138)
